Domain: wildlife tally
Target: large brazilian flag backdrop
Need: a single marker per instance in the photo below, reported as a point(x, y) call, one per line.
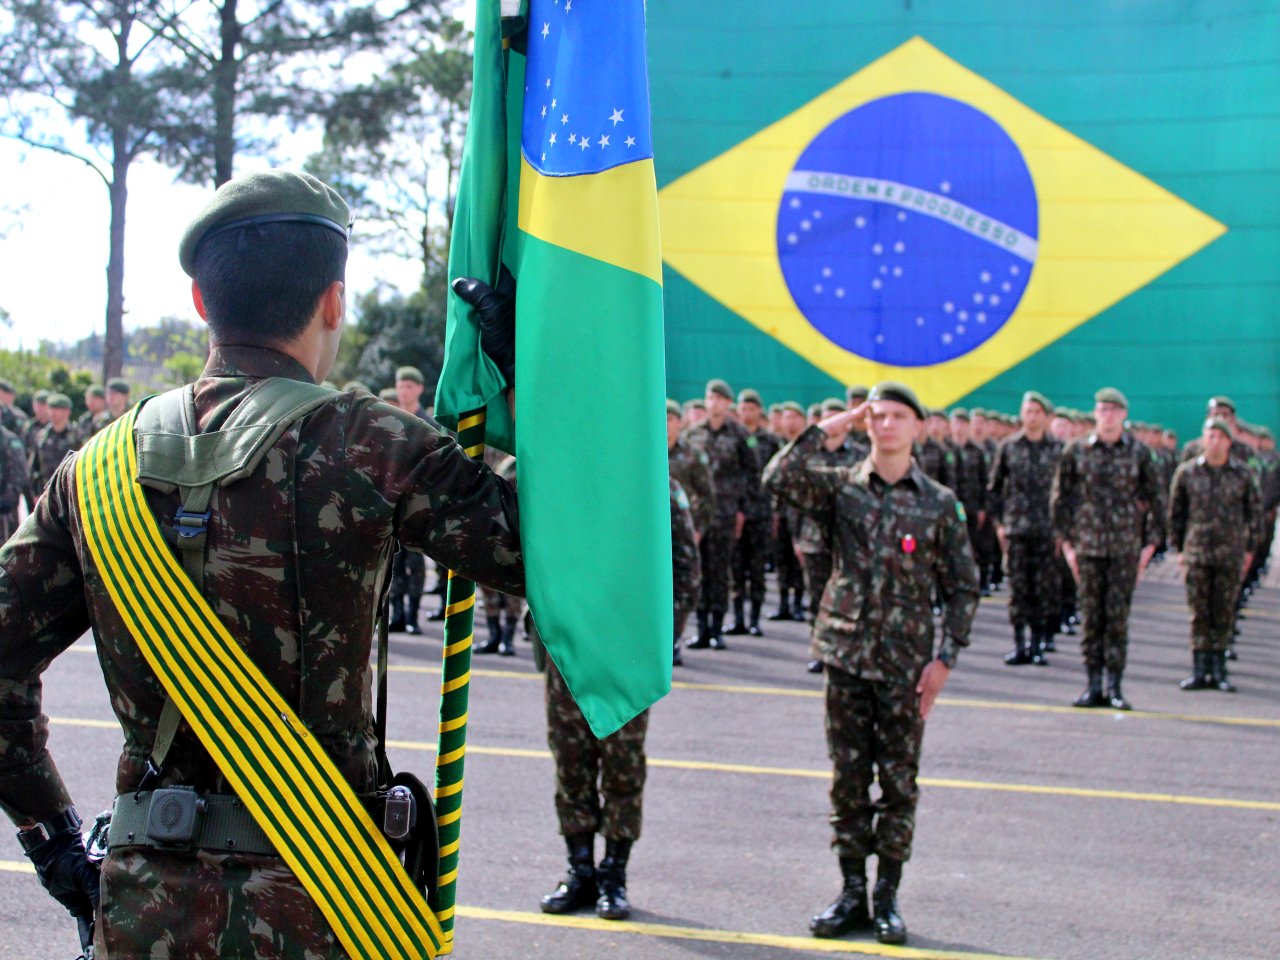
point(974, 197)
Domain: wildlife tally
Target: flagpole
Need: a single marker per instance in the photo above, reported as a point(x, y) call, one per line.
point(455, 693)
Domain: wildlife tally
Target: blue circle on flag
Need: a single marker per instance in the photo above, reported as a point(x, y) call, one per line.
point(907, 230)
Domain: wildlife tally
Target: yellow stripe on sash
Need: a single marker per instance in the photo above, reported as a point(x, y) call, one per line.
point(283, 776)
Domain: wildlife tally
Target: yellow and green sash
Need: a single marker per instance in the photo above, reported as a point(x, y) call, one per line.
point(282, 775)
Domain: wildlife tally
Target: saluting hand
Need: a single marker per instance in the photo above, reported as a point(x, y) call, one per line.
point(845, 420)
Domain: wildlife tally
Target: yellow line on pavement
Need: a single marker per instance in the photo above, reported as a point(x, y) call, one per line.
point(16, 866)
point(741, 937)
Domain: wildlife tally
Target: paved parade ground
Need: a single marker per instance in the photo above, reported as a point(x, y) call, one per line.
point(1043, 831)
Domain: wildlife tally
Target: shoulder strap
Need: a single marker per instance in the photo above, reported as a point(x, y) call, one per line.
point(295, 792)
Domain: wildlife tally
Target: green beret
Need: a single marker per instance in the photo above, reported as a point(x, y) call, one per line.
point(59, 401)
point(833, 405)
point(1217, 423)
point(750, 395)
point(1221, 401)
point(412, 374)
point(1111, 395)
point(720, 387)
point(792, 406)
point(815, 410)
point(899, 393)
point(960, 413)
point(118, 385)
point(697, 403)
point(270, 196)
point(40, 396)
point(856, 392)
point(673, 409)
point(775, 408)
point(355, 385)
point(6, 386)
point(96, 391)
point(938, 412)
point(1266, 434)
point(389, 394)
point(1035, 396)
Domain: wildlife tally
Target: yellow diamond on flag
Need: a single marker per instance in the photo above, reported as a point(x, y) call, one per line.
point(917, 223)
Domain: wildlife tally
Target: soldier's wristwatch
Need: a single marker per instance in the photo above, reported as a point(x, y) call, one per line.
point(948, 652)
point(32, 837)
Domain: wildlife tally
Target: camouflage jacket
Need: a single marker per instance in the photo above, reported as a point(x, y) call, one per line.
point(892, 543)
point(1101, 494)
point(764, 444)
point(971, 476)
point(15, 421)
point(811, 530)
point(1240, 452)
point(48, 448)
point(15, 476)
point(692, 470)
point(1215, 513)
point(735, 471)
point(1020, 484)
point(1270, 460)
point(297, 553)
point(937, 460)
point(686, 566)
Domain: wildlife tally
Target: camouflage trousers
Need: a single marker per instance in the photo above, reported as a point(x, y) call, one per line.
point(1034, 594)
point(1106, 592)
point(817, 571)
point(599, 783)
point(499, 604)
point(205, 905)
point(874, 731)
point(716, 554)
point(790, 572)
point(408, 576)
point(749, 554)
point(1211, 595)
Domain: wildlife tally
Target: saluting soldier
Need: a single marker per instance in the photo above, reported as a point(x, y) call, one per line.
point(897, 533)
point(1018, 491)
point(1104, 485)
point(52, 442)
point(291, 562)
point(1215, 514)
point(735, 473)
point(752, 548)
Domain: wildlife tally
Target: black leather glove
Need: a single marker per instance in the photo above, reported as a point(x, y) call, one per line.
point(6, 506)
point(65, 871)
point(496, 314)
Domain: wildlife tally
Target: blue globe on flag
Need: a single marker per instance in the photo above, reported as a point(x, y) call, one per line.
point(907, 230)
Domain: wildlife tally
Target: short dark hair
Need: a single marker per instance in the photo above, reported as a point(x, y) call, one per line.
point(260, 283)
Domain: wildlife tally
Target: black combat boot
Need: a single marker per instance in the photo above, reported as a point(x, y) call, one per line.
point(611, 880)
point(739, 627)
point(884, 901)
point(1218, 671)
point(1036, 649)
point(1092, 696)
point(797, 607)
point(395, 617)
point(1018, 655)
point(702, 640)
point(435, 616)
point(715, 631)
point(1114, 697)
point(578, 888)
point(753, 621)
point(814, 666)
point(411, 621)
point(1199, 679)
point(784, 606)
point(507, 642)
point(1046, 632)
point(849, 910)
point(495, 636)
point(677, 658)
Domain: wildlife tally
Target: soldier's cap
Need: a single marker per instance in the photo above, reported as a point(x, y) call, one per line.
point(412, 374)
point(1266, 434)
point(1035, 396)
point(117, 385)
point(979, 412)
point(856, 392)
point(815, 410)
point(1217, 423)
point(750, 395)
point(959, 413)
point(898, 392)
point(793, 406)
point(833, 405)
point(40, 396)
point(355, 385)
point(931, 412)
point(720, 387)
point(59, 401)
point(673, 408)
point(775, 408)
point(6, 386)
point(269, 196)
point(388, 393)
point(1111, 395)
point(1221, 401)
point(96, 390)
point(697, 403)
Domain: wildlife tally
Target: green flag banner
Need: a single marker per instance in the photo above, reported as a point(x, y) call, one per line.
point(578, 229)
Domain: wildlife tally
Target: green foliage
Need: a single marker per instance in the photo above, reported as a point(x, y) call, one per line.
point(392, 330)
point(184, 367)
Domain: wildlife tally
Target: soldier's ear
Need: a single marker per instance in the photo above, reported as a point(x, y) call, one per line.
point(197, 298)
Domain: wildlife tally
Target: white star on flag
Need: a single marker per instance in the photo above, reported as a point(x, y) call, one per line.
point(553, 103)
point(546, 28)
point(630, 141)
point(616, 116)
point(564, 118)
point(573, 138)
point(584, 142)
point(552, 140)
point(603, 141)
point(568, 5)
point(544, 111)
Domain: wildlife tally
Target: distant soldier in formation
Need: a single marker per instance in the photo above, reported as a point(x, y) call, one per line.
point(408, 567)
point(503, 612)
point(1104, 484)
point(935, 456)
point(14, 480)
point(117, 400)
point(95, 406)
point(52, 442)
point(896, 534)
point(752, 548)
point(971, 469)
point(692, 470)
point(1018, 490)
point(786, 527)
point(11, 417)
point(1215, 516)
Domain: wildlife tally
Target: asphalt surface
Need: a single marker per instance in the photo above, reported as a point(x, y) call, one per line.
point(1043, 831)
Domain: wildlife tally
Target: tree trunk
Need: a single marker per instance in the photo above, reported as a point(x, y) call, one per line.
point(113, 342)
point(226, 74)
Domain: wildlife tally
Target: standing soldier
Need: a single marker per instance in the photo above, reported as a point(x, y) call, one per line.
point(14, 480)
point(935, 455)
point(1018, 506)
point(752, 548)
point(897, 534)
point(692, 470)
point(408, 567)
point(503, 612)
point(972, 468)
point(52, 442)
point(117, 400)
point(735, 473)
point(1214, 519)
point(91, 421)
point(600, 783)
point(12, 418)
point(1105, 483)
point(786, 528)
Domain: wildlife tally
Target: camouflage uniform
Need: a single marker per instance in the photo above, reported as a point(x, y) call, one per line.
point(735, 474)
point(692, 470)
point(296, 554)
point(970, 471)
point(1215, 516)
point(13, 481)
point(48, 449)
point(1018, 493)
point(15, 421)
point(686, 567)
point(752, 548)
point(503, 612)
point(875, 633)
point(938, 461)
point(1101, 492)
point(813, 529)
point(408, 577)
